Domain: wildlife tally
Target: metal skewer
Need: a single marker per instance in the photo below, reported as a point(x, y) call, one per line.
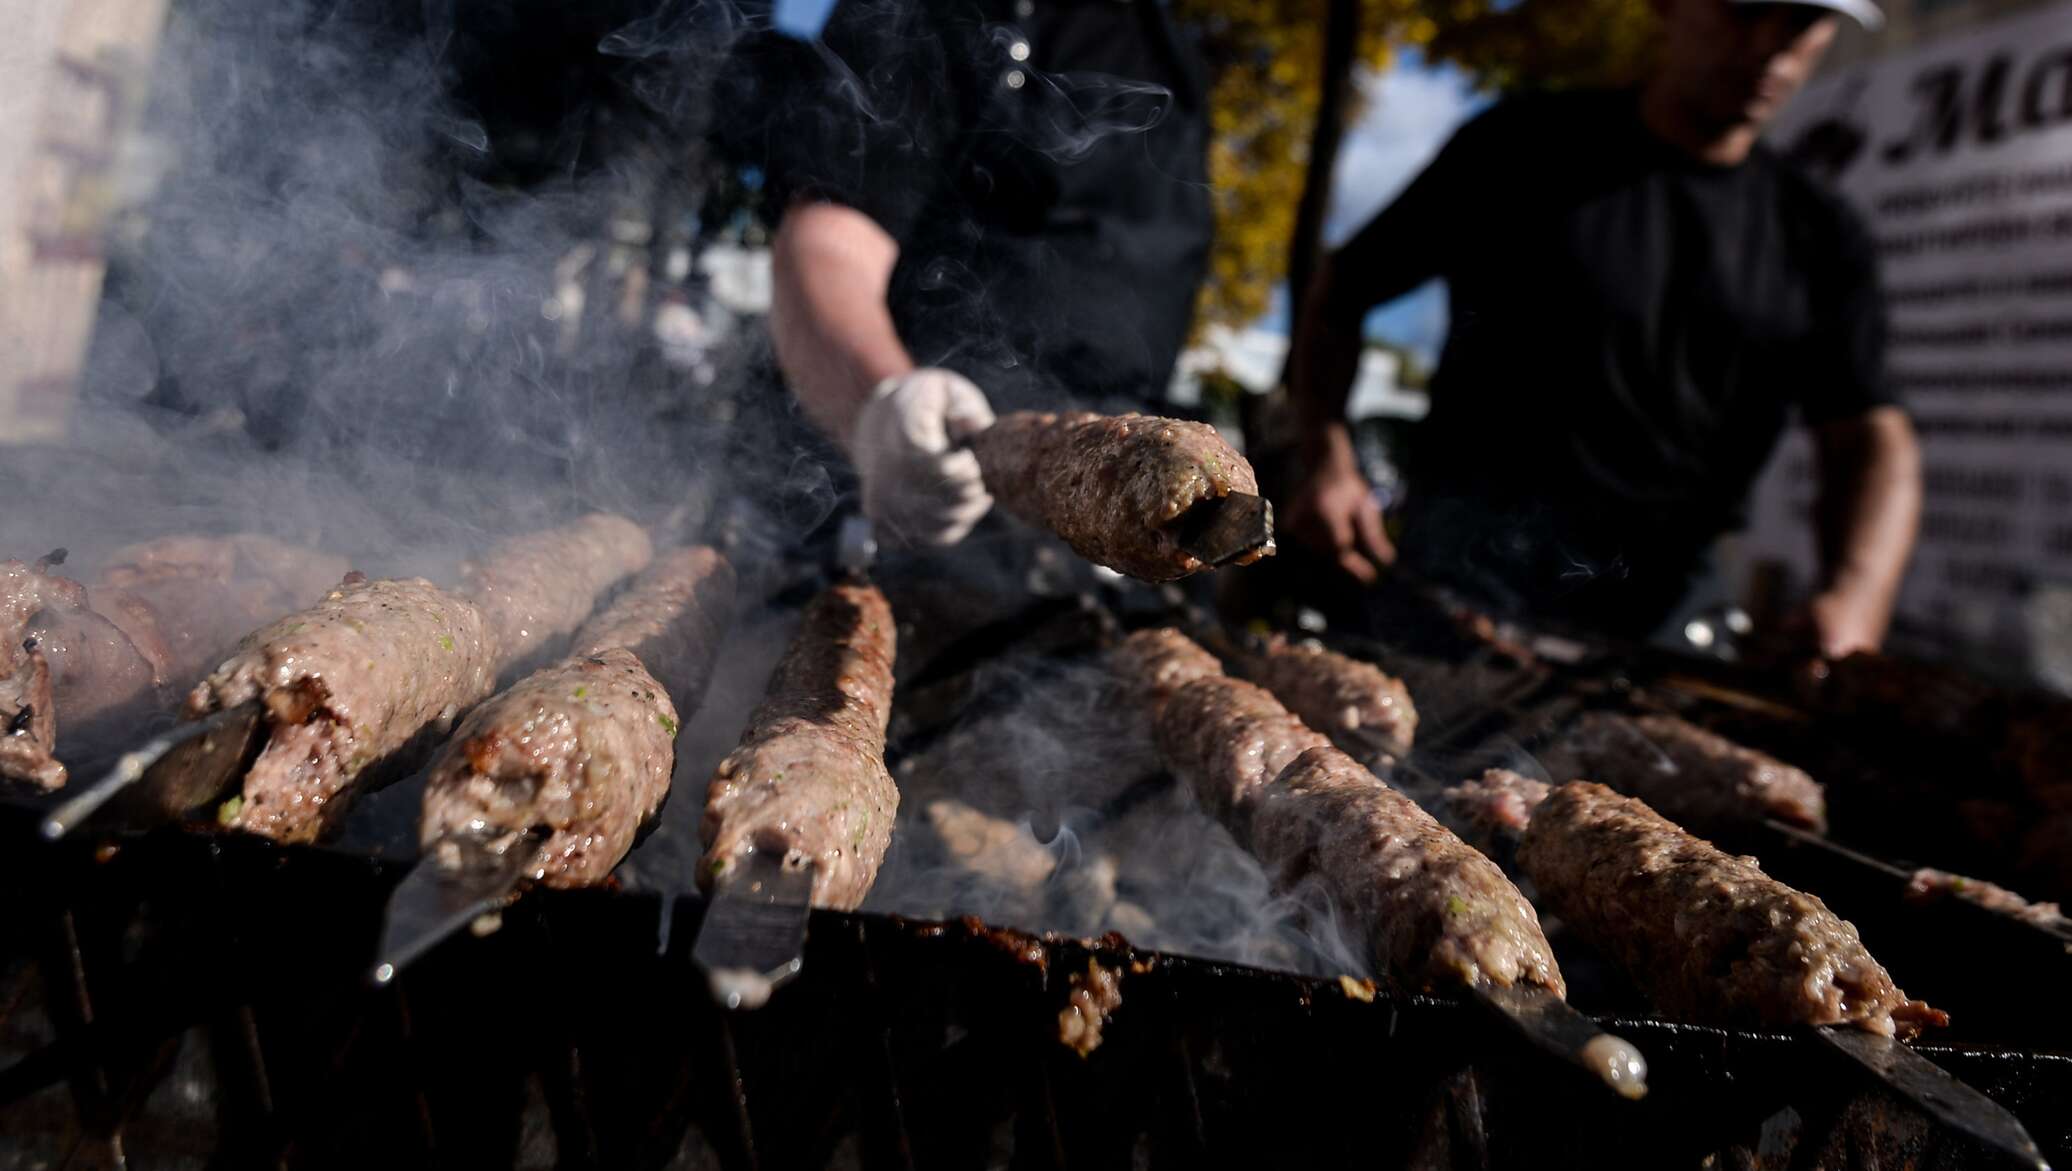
point(460, 878)
point(753, 938)
point(1929, 1086)
point(1223, 529)
point(171, 775)
point(1552, 1026)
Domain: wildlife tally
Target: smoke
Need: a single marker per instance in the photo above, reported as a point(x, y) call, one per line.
point(1045, 810)
point(384, 283)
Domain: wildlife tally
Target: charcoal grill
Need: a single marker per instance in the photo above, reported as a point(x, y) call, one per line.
point(200, 1000)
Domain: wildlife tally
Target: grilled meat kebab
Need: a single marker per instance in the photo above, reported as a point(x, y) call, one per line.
point(1359, 706)
point(1706, 935)
point(1696, 777)
point(202, 594)
point(344, 684)
point(809, 779)
point(1496, 805)
point(1931, 886)
point(585, 748)
point(672, 617)
point(1112, 486)
point(538, 587)
point(62, 653)
point(1433, 912)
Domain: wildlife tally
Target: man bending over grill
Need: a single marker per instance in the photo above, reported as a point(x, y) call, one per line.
point(1642, 292)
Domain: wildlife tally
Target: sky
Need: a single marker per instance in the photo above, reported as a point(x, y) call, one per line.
point(1410, 110)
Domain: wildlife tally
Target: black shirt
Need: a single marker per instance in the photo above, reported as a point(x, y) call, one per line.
point(1631, 329)
point(1042, 165)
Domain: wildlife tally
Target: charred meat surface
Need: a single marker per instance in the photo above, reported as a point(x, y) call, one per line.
point(672, 617)
point(582, 750)
point(1496, 805)
point(1359, 706)
point(1434, 912)
point(202, 594)
point(1699, 778)
point(1226, 738)
point(809, 779)
point(345, 684)
point(1111, 485)
point(1706, 935)
point(539, 587)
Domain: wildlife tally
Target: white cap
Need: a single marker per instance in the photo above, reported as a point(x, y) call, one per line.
point(1867, 14)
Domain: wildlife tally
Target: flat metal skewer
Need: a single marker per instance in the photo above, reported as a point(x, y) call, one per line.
point(460, 878)
point(1555, 1028)
point(1223, 529)
point(1932, 1088)
point(170, 775)
point(753, 938)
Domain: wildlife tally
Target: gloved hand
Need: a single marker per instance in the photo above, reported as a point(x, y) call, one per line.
point(917, 486)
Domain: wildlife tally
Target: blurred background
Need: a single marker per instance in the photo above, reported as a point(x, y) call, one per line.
point(339, 226)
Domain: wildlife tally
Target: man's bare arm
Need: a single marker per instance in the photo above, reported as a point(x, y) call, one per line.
point(1867, 514)
point(1333, 509)
point(834, 336)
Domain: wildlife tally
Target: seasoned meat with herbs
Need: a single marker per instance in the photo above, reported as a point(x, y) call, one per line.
point(539, 587)
point(582, 749)
point(345, 684)
point(1433, 912)
point(673, 617)
point(1226, 738)
point(809, 779)
point(1706, 935)
point(1359, 706)
point(1111, 485)
point(1699, 778)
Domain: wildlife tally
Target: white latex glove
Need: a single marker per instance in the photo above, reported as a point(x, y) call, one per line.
point(917, 486)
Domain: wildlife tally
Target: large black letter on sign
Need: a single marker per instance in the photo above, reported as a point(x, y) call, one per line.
point(1940, 92)
point(2054, 67)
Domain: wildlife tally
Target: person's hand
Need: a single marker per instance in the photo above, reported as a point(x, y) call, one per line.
point(1840, 622)
point(1333, 512)
point(917, 484)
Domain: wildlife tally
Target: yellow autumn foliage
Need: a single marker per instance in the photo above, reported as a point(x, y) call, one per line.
point(1267, 56)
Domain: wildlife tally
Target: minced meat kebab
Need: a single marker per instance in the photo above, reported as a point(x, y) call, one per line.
point(1433, 912)
point(584, 749)
point(1364, 710)
point(345, 684)
point(1706, 935)
point(1111, 485)
point(808, 779)
point(1699, 778)
point(157, 615)
point(354, 680)
point(539, 587)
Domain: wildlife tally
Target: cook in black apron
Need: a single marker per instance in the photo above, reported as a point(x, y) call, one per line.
point(1040, 167)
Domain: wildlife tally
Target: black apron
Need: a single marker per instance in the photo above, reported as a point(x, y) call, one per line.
point(1059, 261)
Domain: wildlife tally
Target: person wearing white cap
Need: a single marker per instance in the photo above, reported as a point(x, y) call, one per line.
point(1642, 295)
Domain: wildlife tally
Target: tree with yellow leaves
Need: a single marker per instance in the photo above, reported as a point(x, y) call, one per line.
point(1283, 95)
